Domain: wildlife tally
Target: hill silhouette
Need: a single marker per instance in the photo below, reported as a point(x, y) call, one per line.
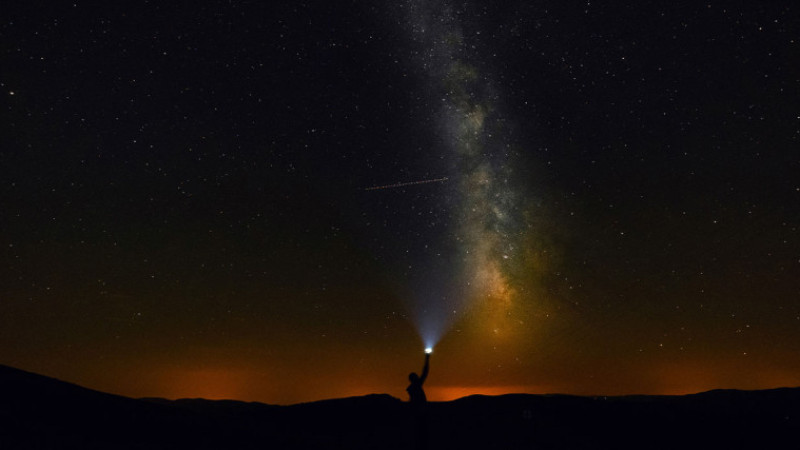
point(38, 412)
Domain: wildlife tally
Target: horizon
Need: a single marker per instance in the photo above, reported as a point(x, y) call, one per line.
point(453, 393)
point(434, 392)
point(48, 413)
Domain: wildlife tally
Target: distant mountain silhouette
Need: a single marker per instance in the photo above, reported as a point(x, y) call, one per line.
point(38, 412)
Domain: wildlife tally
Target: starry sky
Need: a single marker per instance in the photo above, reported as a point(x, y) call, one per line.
point(286, 201)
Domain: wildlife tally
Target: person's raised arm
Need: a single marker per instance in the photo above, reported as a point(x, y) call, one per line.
point(425, 369)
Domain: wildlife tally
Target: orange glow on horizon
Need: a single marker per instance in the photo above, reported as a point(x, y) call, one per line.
point(208, 383)
point(447, 393)
point(275, 386)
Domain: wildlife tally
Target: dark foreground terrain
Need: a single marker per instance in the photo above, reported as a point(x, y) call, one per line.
point(37, 412)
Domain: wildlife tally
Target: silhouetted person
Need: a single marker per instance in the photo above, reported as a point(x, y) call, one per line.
point(417, 399)
point(415, 393)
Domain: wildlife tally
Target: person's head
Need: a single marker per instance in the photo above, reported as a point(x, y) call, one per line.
point(413, 377)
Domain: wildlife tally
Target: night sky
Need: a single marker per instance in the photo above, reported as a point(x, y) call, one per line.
point(602, 198)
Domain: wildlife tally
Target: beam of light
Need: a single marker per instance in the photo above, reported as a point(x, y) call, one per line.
point(410, 183)
point(439, 300)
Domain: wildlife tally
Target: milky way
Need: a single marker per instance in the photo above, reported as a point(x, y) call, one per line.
point(486, 212)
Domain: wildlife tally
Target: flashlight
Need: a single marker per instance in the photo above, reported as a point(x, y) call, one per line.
point(429, 350)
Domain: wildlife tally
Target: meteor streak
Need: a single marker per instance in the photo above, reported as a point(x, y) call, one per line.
point(396, 185)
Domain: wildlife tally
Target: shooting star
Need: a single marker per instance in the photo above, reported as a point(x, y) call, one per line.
point(396, 185)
